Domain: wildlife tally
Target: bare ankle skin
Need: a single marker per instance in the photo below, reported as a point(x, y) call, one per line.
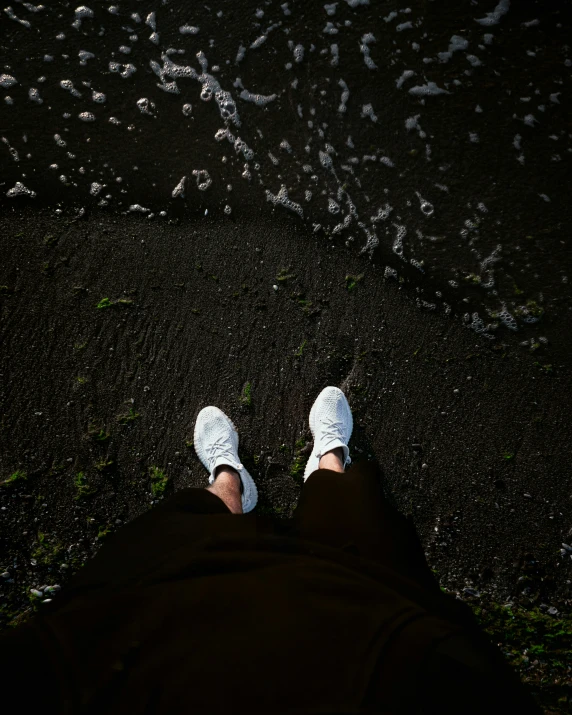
point(333, 460)
point(227, 487)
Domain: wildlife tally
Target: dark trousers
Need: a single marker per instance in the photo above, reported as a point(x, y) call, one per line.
point(346, 511)
point(343, 512)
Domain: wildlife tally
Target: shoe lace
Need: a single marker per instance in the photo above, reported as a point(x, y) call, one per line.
point(221, 448)
point(332, 429)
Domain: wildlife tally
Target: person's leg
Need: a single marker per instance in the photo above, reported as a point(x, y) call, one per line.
point(187, 517)
point(333, 460)
point(347, 509)
point(227, 486)
point(216, 445)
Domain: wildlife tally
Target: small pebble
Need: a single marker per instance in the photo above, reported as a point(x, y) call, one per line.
point(471, 592)
point(5, 574)
point(424, 466)
point(35, 592)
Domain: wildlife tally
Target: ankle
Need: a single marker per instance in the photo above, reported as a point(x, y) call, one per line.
point(228, 477)
point(334, 460)
point(227, 487)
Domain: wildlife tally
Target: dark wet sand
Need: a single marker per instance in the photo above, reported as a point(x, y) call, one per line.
point(473, 440)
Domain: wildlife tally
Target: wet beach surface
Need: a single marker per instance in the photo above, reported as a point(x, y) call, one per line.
point(411, 248)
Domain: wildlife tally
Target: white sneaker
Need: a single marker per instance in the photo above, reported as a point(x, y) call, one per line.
point(331, 424)
point(216, 443)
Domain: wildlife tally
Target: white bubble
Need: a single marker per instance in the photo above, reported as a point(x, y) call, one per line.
point(406, 74)
point(333, 206)
point(456, 44)
point(203, 179)
point(179, 189)
point(345, 96)
point(366, 40)
point(427, 89)
point(7, 81)
point(281, 198)
point(188, 30)
point(259, 99)
point(382, 214)
point(367, 111)
point(20, 190)
point(240, 54)
point(397, 246)
point(187, 109)
point(81, 13)
point(335, 55)
point(425, 206)
point(11, 14)
point(258, 42)
point(493, 18)
point(325, 160)
point(146, 106)
point(84, 56)
point(34, 96)
point(86, 117)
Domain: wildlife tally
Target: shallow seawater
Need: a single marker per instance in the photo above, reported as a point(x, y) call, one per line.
point(441, 149)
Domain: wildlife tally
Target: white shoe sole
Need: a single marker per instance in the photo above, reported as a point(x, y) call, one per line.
point(249, 495)
point(313, 462)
